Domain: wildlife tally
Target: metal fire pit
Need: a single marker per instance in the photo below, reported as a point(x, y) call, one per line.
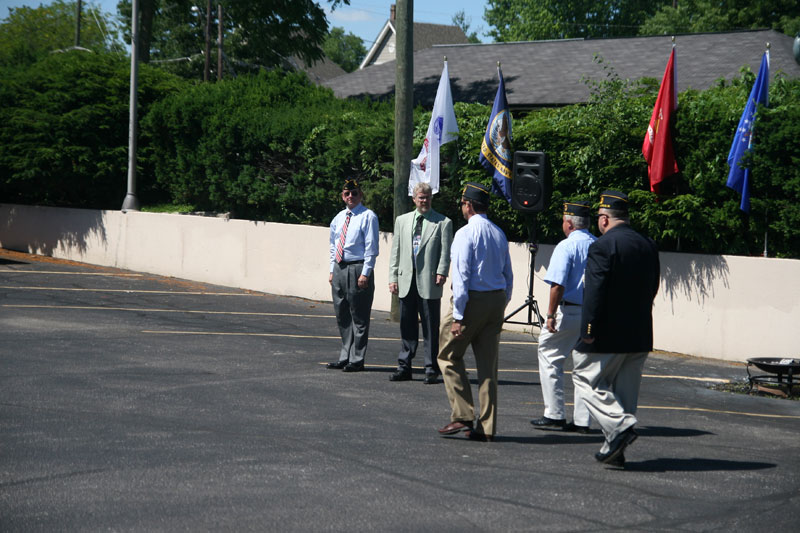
point(780, 374)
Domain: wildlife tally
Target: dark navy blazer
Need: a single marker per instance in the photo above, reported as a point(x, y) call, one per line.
point(622, 276)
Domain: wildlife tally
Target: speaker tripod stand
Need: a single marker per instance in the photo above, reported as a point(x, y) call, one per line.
point(534, 316)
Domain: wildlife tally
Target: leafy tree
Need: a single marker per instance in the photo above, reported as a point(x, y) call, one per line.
point(28, 34)
point(522, 20)
point(347, 51)
point(464, 22)
point(694, 16)
point(256, 32)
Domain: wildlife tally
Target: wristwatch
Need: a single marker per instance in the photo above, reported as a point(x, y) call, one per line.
point(551, 316)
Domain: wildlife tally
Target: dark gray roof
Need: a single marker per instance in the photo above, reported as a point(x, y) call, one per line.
point(428, 35)
point(322, 70)
point(549, 73)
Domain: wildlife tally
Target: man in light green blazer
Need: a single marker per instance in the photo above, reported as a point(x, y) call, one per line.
point(418, 269)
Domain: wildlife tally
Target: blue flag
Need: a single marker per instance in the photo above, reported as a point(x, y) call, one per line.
point(496, 154)
point(739, 177)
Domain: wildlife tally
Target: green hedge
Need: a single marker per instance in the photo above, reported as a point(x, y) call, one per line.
point(64, 130)
point(276, 147)
point(268, 147)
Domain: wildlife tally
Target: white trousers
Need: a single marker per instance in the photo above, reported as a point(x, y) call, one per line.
point(609, 384)
point(554, 348)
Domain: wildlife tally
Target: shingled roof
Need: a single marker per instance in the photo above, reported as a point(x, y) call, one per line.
point(322, 70)
point(551, 73)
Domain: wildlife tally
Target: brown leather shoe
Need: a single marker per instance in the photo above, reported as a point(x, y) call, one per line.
point(454, 427)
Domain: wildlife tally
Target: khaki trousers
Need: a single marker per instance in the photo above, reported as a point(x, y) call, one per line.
point(481, 326)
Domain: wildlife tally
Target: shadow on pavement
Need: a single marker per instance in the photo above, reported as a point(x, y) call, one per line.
point(4, 261)
point(662, 431)
point(694, 465)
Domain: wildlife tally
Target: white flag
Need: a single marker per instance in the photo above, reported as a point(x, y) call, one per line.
point(441, 130)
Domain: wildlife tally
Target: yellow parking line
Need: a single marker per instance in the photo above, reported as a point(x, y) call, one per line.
point(131, 291)
point(691, 378)
point(697, 409)
point(152, 310)
point(703, 410)
point(245, 334)
point(233, 334)
point(64, 273)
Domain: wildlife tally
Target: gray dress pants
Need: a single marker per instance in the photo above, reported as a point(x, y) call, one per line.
point(353, 307)
point(609, 384)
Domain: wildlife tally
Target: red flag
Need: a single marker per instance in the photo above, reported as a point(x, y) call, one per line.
point(657, 147)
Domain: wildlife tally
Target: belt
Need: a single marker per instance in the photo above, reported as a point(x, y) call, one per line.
point(487, 292)
point(564, 302)
point(348, 263)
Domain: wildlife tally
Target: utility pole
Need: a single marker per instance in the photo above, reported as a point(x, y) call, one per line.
point(219, 42)
point(208, 41)
point(403, 103)
point(78, 9)
point(131, 203)
point(403, 111)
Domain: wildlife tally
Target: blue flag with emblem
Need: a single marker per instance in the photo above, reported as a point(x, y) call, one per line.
point(739, 176)
point(496, 154)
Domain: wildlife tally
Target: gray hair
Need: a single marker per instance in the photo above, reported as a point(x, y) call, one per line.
point(578, 222)
point(422, 187)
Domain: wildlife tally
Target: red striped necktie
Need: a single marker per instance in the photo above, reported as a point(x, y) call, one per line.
point(342, 237)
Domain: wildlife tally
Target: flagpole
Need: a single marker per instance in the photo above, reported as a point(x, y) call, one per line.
point(439, 161)
point(766, 212)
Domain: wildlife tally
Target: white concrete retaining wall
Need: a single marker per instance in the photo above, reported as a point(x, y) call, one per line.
point(723, 307)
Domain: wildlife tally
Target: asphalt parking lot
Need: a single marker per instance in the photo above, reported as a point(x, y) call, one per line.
point(133, 402)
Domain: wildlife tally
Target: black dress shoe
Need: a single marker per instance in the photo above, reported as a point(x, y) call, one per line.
point(353, 367)
point(338, 365)
point(401, 375)
point(548, 423)
point(618, 462)
point(431, 379)
point(454, 427)
point(575, 428)
point(617, 446)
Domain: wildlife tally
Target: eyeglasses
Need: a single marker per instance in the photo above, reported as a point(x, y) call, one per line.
point(351, 193)
point(598, 215)
point(463, 202)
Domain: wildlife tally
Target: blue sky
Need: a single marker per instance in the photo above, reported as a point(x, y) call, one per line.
point(364, 18)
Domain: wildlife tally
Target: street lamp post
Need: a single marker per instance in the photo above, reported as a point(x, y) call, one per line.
point(131, 203)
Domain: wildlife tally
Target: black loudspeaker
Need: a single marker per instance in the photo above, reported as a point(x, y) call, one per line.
point(530, 188)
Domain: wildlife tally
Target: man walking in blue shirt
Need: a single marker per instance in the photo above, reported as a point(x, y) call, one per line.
point(482, 283)
point(565, 274)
